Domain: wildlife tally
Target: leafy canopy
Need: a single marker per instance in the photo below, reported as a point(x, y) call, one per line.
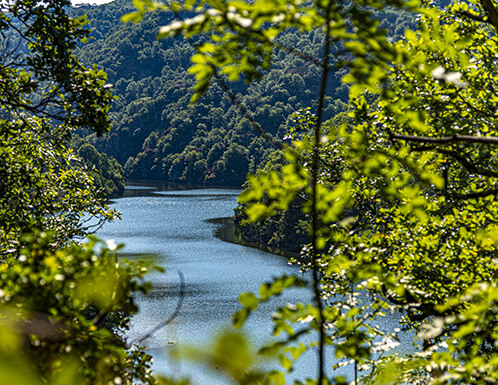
point(402, 201)
point(45, 95)
point(64, 306)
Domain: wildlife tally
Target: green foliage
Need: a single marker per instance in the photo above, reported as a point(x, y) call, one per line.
point(402, 199)
point(45, 94)
point(66, 91)
point(229, 355)
point(108, 175)
point(70, 307)
point(43, 186)
point(250, 302)
point(64, 306)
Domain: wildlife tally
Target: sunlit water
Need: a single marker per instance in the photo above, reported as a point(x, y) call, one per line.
point(172, 226)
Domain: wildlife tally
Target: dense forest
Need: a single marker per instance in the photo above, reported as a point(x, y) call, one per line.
point(157, 134)
point(390, 175)
point(108, 174)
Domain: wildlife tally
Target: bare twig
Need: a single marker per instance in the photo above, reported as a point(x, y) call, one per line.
point(255, 125)
point(170, 318)
point(315, 166)
point(316, 61)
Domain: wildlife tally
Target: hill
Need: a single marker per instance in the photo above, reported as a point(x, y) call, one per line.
point(157, 134)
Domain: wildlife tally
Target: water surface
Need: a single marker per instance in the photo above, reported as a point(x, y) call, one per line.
point(176, 227)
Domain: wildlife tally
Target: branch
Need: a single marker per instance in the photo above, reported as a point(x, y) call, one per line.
point(172, 317)
point(255, 125)
point(465, 162)
point(455, 138)
point(491, 115)
point(416, 310)
point(469, 15)
point(491, 13)
point(470, 167)
point(316, 61)
point(315, 169)
point(475, 195)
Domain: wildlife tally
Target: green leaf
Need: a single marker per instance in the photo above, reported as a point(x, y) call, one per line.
point(133, 17)
point(248, 300)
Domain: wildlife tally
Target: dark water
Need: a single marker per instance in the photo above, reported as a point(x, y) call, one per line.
point(174, 227)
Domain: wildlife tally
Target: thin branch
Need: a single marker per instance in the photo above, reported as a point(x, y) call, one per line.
point(315, 166)
point(473, 107)
point(472, 16)
point(316, 61)
point(245, 112)
point(172, 317)
point(491, 12)
point(455, 138)
point(465, 162)
point(475, 195)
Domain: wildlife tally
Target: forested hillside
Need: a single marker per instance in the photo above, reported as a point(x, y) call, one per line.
point(157, 134)
point(107, 173)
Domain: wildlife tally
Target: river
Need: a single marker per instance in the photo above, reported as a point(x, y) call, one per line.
point(173, 228)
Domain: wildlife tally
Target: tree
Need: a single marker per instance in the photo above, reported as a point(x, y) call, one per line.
point(64, 305)
point(64, 314)
point(402, 202)
point(108, 175)
point(46, 93)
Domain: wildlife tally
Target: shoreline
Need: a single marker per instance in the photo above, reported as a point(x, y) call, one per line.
point(227, 232)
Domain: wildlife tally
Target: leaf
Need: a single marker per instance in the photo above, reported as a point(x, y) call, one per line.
point(240, 317)
point(248, 300)
point(133, 17)
point(257, 211)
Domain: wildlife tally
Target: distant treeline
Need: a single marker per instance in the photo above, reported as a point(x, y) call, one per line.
point(157, 134)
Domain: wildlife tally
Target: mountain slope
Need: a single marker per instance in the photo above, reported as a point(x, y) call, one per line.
point(156, 133)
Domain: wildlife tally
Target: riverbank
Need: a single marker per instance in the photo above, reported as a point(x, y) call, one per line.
point(228, 232)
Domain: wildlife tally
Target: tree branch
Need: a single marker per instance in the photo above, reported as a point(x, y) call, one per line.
point(455, 138)
point(491, 13)
point(469, 15)
point(475, 195)
point(172, 317)
point(465, 162)
point(255, 125)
